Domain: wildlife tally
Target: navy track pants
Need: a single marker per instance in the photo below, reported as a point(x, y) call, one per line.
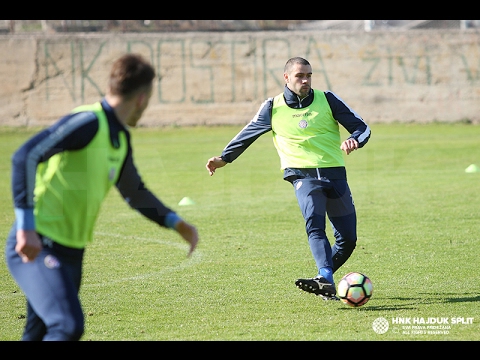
point(51, 284)
point(323, 197)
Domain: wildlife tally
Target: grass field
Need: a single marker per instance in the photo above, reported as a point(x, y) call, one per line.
point(418, 233)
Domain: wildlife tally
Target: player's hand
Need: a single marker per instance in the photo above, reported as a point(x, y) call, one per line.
point(189, 233)
point(214, 163)
point(28, 245)
point(349, 145)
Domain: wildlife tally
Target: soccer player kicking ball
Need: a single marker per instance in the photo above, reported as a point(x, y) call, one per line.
point(305, 127)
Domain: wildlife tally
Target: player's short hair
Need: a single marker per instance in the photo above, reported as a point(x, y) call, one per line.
point(130, 74)
point(294, 60)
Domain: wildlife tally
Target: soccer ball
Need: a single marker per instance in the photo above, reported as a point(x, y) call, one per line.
point(355, 289)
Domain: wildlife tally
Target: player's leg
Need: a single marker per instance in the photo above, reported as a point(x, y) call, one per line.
point(35, 328)
point(312, 201)
point(51, 290)
point(343, 218)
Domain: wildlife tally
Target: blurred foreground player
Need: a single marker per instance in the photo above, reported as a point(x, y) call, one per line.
point(60, 178)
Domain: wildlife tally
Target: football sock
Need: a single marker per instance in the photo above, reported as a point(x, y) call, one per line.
point(327, 273)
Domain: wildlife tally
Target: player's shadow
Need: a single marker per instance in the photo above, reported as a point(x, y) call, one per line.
point(411, 303)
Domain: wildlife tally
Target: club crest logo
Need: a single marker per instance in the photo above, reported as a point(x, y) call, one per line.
point(51, 262)
point(303, 124)
point(298, 185)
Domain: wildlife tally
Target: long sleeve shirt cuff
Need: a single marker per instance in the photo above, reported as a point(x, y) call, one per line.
point(25, 219)
point(171, 220)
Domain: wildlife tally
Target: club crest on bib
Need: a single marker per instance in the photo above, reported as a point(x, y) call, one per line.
point(303, 124)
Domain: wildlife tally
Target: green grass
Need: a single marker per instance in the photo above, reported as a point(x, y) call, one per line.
point(418, 233)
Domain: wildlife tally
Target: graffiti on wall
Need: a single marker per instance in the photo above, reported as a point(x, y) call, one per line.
point(203, 71)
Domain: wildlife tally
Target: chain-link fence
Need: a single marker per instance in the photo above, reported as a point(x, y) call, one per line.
point(62, 26)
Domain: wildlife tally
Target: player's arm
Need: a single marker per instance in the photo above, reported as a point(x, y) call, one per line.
point(351, 121)
point(139, 197)
point(259, 125)
point(215, 163)
point(64, 135)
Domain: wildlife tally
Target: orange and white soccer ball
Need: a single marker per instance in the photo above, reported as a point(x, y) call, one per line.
point(355, 289)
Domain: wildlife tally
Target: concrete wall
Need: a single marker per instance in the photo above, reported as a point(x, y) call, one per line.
point(222, 78)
